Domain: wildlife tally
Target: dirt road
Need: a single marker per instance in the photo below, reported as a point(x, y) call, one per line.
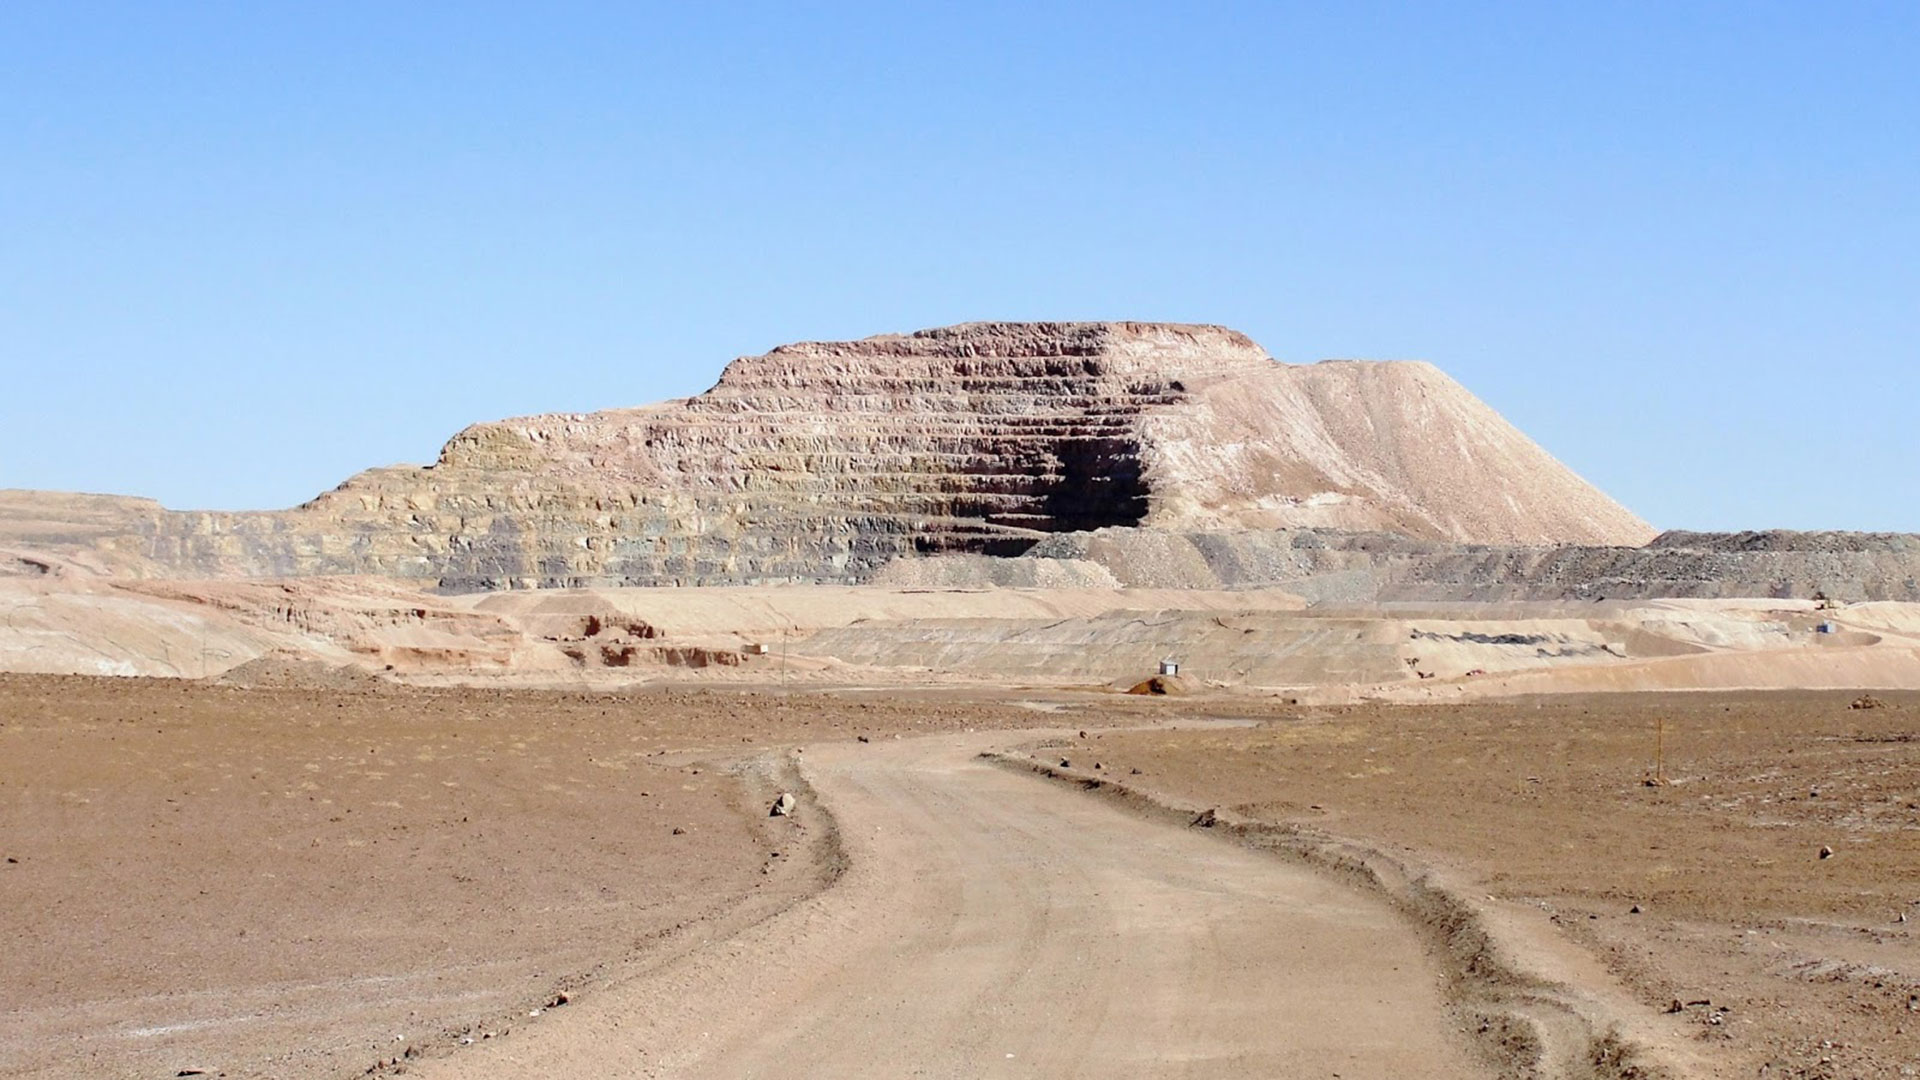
point(993, 925)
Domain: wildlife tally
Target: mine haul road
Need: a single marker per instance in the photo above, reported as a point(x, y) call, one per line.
point(991, 924)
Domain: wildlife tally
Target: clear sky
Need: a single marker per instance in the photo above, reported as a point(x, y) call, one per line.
point(249, 249)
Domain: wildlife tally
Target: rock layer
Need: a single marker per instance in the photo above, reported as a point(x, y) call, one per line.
point(825, 461)
point(1330, 566)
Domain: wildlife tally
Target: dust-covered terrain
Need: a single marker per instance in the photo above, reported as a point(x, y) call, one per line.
point(302, 880)
point(1746, 863)
point(315, 874)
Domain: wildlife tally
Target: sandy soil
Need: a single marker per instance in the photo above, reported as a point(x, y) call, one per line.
point(303, 881)
point(990, 925)
point(307, 880)
point(1708, 891)
point(1246, 641)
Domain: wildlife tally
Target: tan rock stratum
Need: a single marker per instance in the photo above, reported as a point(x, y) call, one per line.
point(824, 461)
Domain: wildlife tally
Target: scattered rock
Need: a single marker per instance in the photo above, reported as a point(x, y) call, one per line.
point(1826, 852)
point(1066, 763)
point(863, 738)
point(559, 999)
point(1207, 819)
point(783, 806)
point(678, 831)
point(1634, 910)
point(1867, 701)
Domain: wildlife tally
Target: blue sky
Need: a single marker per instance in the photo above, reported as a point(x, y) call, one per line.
point(249, 249)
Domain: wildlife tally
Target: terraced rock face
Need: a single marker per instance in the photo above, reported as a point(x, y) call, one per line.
point(825, 461)
point(1334, 567)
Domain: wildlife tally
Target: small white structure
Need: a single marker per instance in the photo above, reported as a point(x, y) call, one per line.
point(1169, 667)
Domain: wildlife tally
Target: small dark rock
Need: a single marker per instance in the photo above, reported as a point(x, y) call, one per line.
point(1207, 819)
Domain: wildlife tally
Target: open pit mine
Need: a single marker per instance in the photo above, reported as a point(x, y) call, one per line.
point(1008, 699)
point(1000, 497)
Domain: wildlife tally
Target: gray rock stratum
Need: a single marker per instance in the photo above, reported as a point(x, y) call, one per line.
point(825, 461)
point(1329, 566)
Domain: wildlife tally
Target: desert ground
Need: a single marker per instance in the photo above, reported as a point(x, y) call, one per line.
point(1744, 863)
point(302, 880)
point(1445, 763)
point(323, 873)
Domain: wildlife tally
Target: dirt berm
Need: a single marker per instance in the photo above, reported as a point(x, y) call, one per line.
point(1538, 1006)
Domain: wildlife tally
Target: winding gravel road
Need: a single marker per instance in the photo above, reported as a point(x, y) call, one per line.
point(995, 925)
